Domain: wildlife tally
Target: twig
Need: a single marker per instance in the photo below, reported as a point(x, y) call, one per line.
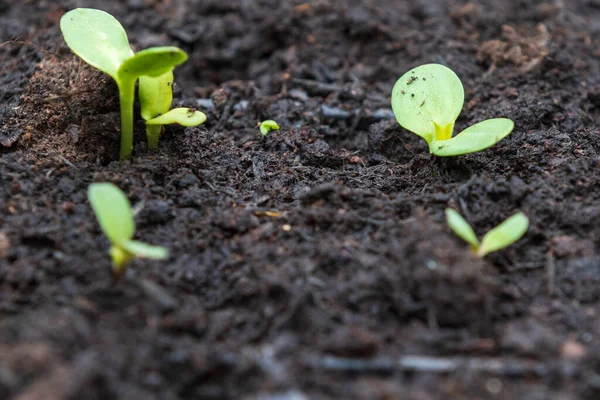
point(23, 42)
point(362, 114)
point(317, 87)
point(551, 271)
point(387, 365)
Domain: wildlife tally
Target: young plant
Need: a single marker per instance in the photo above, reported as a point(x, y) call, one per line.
point(427, 101)
point(268, 126)
point(114, 214)
point(156, 95)
point(100, 40)
point(505, 234)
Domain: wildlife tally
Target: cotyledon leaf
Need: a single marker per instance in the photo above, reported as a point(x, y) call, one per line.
point(156, 94)
point(475, 138)
point(268, 126)
point(461, 227)
point(113, 211)
point(427, 94)
point(144, 250)
point(504, 234)
point(97, 37)
point(182, 116)
point(153, 62)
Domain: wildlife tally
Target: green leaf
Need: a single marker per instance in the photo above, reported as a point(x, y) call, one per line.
point(97, 37)
point(156, 95)
point(427, 94)
point(144, 250)
point(475, 138)
point(461, 227)
point(504, 234)
point(153, 62)
point(268, 126)
point(113, 212)
point(182, 116)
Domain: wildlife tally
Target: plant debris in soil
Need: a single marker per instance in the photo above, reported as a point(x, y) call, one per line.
point(313, 263)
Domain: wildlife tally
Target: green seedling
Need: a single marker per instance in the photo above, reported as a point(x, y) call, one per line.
point(114, 214)
point(428, 99)
point(156, 95)
point(505, 234)
point(268, 126)
point(100, 40)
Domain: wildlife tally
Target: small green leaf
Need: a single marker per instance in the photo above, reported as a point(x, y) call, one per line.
point(182, 116)
point(427, 94)
point(113, 212)
point(475, 138)
point(461, 227)
point(156, 95)
point(97, 37)
point(153, 62)
point(268, 126)
point(144, 250)
point(504, 234)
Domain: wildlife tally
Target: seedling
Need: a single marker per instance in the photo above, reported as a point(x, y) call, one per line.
point(114, 214)
point(268, 126)
point(428, 99)
point(505, 234)
point(156, 95)
point(100, 40)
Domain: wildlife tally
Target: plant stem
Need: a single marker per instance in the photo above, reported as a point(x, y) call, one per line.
point(126, 95)
point(443, 132)
point(152, 135)
point(120, 259)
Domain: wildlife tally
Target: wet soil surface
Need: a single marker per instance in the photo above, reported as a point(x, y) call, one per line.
point(313, 263)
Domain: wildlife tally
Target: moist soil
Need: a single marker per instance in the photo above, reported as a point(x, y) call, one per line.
point(314, 262)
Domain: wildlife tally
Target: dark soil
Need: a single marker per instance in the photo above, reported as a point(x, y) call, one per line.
point(313, 263)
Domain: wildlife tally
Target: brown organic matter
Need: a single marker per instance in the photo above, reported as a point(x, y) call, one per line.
point(315, 262)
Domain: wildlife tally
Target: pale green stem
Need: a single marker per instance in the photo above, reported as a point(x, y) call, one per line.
point(126, 97)
point(152, 135)
point(120, 259)
point(443, 132)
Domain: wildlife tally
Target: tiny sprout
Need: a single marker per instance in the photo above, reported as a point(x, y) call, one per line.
point(268, 126)
point(114, 214)
point(431, 113)
point(503, 235)
point(100, 40)
point(156, 95)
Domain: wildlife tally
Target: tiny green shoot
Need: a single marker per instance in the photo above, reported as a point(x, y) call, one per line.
point(268, 126)
point(156, 95)
point(100, 40)
point(428, 99)
point(113, 211)
point(503, 235)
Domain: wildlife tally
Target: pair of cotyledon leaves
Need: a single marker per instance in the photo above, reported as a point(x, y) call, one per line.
point(100, 40)
point(113, 211)
point(503, 235)
point(428, 99)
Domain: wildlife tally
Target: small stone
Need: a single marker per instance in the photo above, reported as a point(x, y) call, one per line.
point(157, 212)
point(68, 206)
point(4, 244)
point(572, 349)
point(188, 180)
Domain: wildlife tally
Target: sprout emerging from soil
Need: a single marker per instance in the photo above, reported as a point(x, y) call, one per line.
point(156, 95)
point(100, 40)
point(268, 126)
point(428, 99)
point(114, 214)
point(505, 234)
